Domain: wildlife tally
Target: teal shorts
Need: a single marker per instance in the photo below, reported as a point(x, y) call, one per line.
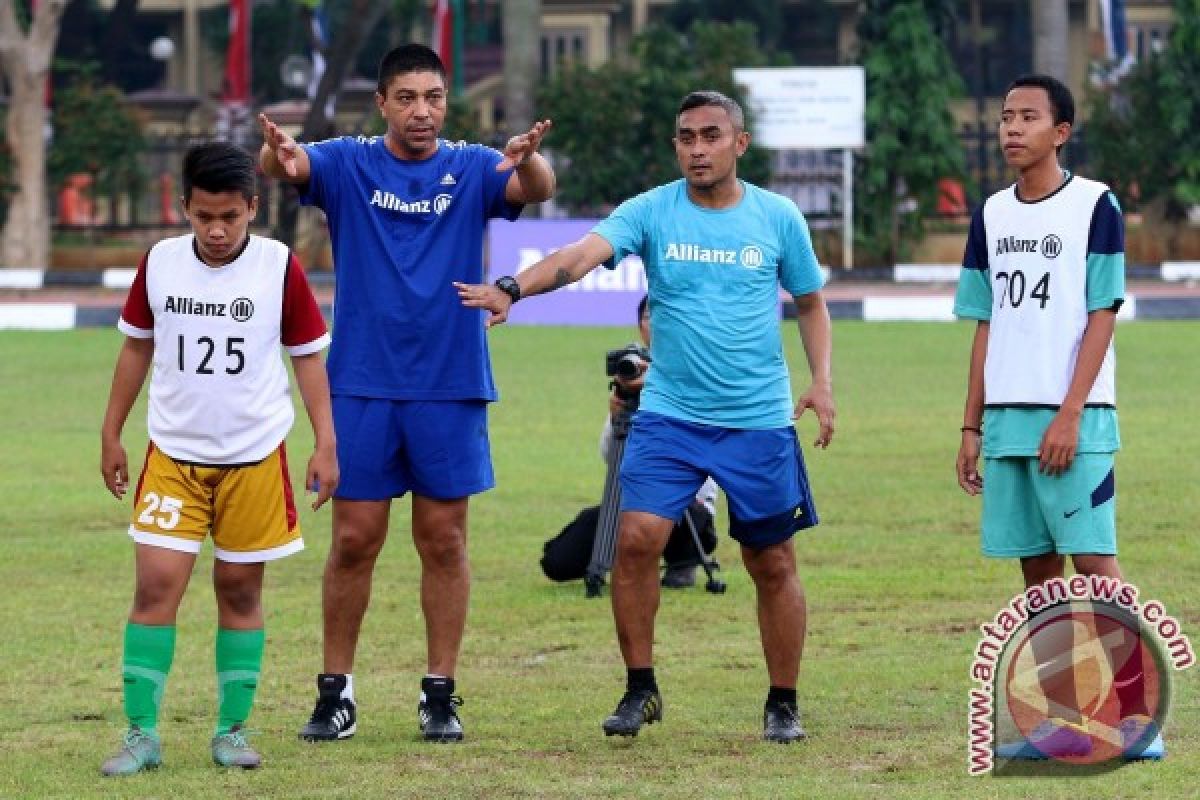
point(1026, 513)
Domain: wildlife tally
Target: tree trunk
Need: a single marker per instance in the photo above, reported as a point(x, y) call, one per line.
point(25, 241)
point(342, 52)
point(522, 46)
point(1050, 27)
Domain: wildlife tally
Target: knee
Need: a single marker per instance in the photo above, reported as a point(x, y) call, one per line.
point(445, 549)
point(355, 546)
point(773, 572)
point(237, 596)
point(153, 594)
point(636, 544)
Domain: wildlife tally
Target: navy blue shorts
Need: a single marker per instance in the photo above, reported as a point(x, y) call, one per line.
point(761, 471)
point(436, 448)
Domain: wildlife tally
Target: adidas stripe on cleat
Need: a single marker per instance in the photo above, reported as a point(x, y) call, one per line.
point(638, 707)
point(334, 716)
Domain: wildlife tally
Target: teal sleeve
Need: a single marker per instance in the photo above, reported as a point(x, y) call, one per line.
point(1106, 256)
point(625, 229)
point(973, 300)
point(799, 272)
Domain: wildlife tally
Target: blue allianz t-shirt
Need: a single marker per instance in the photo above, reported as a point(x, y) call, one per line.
point(402, 232)
point(714, 278)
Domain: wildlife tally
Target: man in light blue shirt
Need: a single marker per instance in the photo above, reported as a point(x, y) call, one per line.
point(717, 399)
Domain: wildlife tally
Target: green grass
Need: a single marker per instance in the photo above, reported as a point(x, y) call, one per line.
point(896, 590)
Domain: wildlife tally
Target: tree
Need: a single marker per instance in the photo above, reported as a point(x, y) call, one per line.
point(97, 133)
point(347, 41)
point(613, 125)
point(522, 35)
point(25, 59)
point(1050, 46)
point(911, 138)
point(1152, 112)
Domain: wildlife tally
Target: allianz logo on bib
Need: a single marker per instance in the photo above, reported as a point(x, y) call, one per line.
point(750, 256)
point(1049, 247)
point(389, 201)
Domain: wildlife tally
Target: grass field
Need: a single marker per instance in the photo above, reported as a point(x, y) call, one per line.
point(896, 590)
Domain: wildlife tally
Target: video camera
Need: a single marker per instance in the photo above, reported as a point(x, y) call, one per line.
point(626, 362)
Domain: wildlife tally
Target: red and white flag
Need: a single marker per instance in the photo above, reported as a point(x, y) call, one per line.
point(236, 89)
point(443, 35)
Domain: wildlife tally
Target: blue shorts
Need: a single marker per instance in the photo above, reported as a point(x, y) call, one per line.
point(436, 449)
point(762, 472)
point(1026, 513)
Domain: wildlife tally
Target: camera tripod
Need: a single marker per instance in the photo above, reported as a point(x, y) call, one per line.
point(604, 547)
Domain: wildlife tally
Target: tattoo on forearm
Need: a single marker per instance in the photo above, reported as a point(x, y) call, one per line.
point(561, 278)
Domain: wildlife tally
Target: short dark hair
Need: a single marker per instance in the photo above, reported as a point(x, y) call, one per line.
point(642, 306)
point(710, 97)
point(407, 58)
point(219, 167)
point(1062, 103)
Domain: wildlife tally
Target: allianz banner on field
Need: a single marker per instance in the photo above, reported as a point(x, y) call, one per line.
point(603, 297)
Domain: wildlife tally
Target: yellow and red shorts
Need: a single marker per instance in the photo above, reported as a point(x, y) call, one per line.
point(248, 508)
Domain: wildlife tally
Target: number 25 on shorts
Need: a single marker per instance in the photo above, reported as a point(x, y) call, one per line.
point(162, 512)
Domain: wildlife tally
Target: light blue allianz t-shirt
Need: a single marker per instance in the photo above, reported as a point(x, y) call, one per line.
point(714, 278)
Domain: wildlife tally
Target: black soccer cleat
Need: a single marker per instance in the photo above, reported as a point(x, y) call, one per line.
point(638, 707)
point(781, 723)
point(436, 712)
point(334, 717)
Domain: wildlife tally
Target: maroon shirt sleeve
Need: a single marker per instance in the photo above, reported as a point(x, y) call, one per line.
point(137, 304)
point(302, 321)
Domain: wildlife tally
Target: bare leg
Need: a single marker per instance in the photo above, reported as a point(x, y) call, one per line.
point(640, 542)
point(239, 595)
point(1059, 688)
point(162, 578)
point(782, 615)
point(1129, 673)
point(440, 535)
point(359, 531)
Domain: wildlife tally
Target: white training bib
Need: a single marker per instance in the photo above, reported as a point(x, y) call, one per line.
point(1037, 264)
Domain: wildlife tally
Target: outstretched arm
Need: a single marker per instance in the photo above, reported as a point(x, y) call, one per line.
point(132, 365)
point(553, 272)
point(533, 180)
point(322, 473)
point(816, 332)
point(281, 157)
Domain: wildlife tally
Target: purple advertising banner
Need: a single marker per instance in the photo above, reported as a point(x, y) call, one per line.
point(603, 297)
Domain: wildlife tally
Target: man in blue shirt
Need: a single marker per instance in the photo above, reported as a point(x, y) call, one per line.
point(408, 368)
point(717, 399)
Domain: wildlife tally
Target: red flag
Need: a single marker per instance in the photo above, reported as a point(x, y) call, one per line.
point(443, 35)
point(236, 89)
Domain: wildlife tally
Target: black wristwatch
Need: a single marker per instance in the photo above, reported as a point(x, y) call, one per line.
point(509, 286)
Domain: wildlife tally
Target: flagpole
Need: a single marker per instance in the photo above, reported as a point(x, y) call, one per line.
point(458, 15)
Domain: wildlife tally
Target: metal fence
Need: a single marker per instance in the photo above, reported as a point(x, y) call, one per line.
point(812, 178)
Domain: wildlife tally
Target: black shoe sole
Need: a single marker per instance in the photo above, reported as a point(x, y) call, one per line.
point(448, 739)
point(327, 737)
point(626, 731)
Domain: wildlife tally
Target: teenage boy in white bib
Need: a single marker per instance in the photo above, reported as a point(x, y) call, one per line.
point(210, 311)
point(1044, 276)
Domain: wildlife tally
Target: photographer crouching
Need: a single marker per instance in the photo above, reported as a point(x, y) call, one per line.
point(566, 556)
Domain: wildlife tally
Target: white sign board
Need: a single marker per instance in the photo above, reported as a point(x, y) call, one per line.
point(806, 108)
